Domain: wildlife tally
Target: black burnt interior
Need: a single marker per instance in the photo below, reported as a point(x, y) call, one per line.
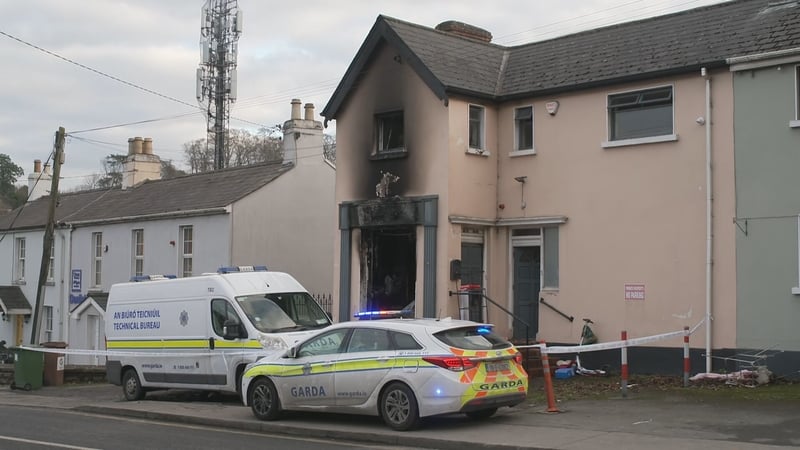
point(389, 267)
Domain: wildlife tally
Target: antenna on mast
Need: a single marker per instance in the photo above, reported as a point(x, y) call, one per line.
point(220, 28)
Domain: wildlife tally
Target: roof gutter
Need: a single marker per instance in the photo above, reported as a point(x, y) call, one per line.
point(157, 216)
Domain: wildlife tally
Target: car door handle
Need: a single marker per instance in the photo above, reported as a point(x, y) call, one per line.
point(327, 364)
point(383, 358)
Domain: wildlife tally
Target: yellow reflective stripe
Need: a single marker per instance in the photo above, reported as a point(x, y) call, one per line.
point(233, 344)
point(180, 343)
point(176, 343)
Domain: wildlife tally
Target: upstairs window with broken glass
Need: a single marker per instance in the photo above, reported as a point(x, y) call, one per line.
point(390, 134)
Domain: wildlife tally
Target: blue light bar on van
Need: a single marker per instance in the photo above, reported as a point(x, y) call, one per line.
point(484, 330)
point(232, 269)
point(153, 277)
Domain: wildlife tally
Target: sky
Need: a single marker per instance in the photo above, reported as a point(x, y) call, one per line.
point(126, 68)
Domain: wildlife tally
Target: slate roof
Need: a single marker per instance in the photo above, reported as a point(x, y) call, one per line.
point(12, 298)
point(676, 43)
point(190, 194)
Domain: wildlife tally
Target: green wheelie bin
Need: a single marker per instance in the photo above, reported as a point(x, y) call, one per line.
point(28, 369)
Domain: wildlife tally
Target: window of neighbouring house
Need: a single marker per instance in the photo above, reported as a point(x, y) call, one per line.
point(796, 290)
point(523, 128)
point(187, 249)
point(138, 252)
point(51, 271)
point(476, 129)
point(796, 122)
point(550, 275)
point(641, 114)
point(390, 133)
point(47, 313)
point(19, 266)
point(97, 259)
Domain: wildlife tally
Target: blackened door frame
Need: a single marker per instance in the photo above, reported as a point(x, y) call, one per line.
point(383, 212)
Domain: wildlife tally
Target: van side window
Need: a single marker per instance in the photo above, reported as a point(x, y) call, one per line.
point(221, 311)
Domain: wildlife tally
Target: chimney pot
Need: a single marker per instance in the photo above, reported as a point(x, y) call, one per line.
point(37, 166)
point(147, 146)
point(309, 111)
point(135, 146)
point(295, 109)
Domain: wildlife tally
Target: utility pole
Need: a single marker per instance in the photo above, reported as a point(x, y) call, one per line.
point(47, 244)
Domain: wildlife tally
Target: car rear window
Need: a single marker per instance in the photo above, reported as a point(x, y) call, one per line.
point(472, 338)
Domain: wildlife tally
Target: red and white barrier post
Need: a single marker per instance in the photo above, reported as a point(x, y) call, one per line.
point(548, 380)
point(686, 363)
point(624, 382)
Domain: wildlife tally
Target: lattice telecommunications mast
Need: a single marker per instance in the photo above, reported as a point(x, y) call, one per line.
point(220, 27)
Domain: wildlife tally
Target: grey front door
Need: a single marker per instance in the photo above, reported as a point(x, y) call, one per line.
point(527, 263)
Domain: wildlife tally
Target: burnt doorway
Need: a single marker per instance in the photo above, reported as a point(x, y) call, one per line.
point(472, 274)
point(527, 266)
point(389, 275)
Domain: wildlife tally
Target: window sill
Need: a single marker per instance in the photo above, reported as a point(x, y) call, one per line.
point(478, 151)
point(796, 291)
point(516, 153)
point(49, 283)
point(549, 290)
point(640, 141)
point(19, 282)
point(794, 123)
point(389, 154)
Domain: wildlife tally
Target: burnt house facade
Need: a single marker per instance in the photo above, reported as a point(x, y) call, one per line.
point(590, 175)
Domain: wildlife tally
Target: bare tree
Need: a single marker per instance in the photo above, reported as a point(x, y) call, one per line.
point(244, 148)
point(329, 148)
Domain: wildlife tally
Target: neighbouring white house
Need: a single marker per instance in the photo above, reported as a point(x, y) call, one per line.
point(279, 214)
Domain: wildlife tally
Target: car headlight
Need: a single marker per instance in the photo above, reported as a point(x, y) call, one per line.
point(272, 343)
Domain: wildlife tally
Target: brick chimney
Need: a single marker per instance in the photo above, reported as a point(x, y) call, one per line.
point(39, 182)
point(140, 164)
point(302, 137)
point(465, 30)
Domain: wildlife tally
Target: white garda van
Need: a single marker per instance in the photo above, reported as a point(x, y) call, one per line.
point(200, 332)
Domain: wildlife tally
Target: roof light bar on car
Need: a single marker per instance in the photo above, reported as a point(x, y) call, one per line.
point(233, 269)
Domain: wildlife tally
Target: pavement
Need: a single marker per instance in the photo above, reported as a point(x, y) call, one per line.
point(635, 422)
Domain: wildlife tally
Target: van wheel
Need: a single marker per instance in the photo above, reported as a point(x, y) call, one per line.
point(264, 400)
point(131, 386)
point(398, 407)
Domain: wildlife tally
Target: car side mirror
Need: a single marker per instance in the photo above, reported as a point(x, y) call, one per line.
point(292, 353)
point(232, 329)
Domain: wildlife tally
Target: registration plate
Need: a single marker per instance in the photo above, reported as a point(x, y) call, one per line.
point(497, 366)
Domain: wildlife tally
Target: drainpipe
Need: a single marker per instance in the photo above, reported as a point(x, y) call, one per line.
point(709, 219)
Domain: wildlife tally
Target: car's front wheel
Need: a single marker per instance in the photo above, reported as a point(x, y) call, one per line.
point(398, 407)
point(263, 400)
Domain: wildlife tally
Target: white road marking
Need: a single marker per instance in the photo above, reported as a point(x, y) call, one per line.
point(51, 444)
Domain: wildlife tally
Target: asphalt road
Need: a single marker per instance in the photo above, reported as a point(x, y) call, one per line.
point(35, 429)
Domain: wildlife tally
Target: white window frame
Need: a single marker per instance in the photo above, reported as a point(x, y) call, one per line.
point(381, 120)
point(612, 142)
point(524, 151)
point(137, 241)
point(97, 259)
point(796, 122)
point(796, 290)
point(19, 260)
point(186, 256)
point(480, 148)
point(47, 313)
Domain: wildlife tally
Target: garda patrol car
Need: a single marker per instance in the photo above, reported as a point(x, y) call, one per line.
point(200, 332)
point(399, 369)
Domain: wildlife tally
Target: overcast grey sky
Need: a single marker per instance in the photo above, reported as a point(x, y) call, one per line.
point(287, 50)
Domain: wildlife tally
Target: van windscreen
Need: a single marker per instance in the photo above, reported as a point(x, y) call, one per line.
point(275, 313)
